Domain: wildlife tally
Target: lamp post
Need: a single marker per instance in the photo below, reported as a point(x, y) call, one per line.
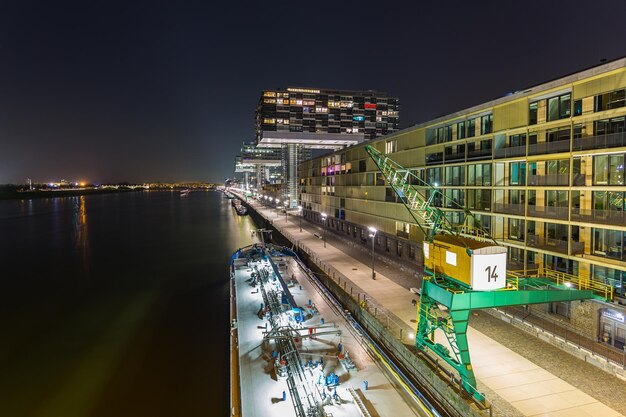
point(324, 216)
point(286, 205)
point(277, 206)
point(373, 232)
point(301, 214)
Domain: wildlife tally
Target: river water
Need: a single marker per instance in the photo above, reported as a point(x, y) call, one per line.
point(117, 304)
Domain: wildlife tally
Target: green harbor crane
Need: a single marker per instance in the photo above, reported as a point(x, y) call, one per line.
point(465, 269)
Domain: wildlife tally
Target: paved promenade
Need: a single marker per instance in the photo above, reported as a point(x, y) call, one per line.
point(529, 386)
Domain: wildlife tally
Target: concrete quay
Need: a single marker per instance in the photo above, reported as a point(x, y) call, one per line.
point(540, 382)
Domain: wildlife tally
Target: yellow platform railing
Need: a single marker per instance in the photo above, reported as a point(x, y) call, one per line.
point(580, 283)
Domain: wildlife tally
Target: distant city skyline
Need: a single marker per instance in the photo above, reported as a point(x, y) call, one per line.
point(110, 92)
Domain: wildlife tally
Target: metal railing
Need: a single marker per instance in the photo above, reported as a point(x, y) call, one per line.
point(579, 282)
point(548, 179)
point(612, 217)
point(510, 152)
point(612, 140)
point(549, 147)
point(548, 211)
point(556, 245)
point(479, 154)
point(508, 208)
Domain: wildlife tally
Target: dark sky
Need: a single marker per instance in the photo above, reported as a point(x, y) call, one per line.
point(145, 91)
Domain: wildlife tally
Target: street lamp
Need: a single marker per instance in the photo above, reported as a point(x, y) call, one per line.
point(324, 216)
point(277, 203)
point(373, 232)
point(301, 214)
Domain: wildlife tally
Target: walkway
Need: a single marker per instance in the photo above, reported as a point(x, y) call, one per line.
point(532, 390)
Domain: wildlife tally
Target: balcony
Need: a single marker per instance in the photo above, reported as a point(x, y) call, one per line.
point(554, 245)
point(509, 208)
point(434, 158)
point(612, 140)
point(611, 217)
point(548, 147)
point(510, 152)
point(548, 179)
point(455, 157)
point(479, 154)
point(548, 212)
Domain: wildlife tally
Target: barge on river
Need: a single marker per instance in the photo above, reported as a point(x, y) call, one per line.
point(296, 352)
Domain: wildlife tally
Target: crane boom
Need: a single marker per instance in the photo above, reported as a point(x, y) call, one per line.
point(420, 202)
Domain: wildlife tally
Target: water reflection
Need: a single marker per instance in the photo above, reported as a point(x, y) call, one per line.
point(81, 232)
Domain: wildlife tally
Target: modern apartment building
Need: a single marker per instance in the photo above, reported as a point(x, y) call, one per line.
point(310, 110)
point(542, 169)
point(300, 119)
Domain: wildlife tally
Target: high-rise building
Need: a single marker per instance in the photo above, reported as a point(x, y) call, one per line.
point(543, 169)
point(300, 119)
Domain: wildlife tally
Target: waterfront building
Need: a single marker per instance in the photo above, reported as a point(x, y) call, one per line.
point(299, 119)
point(260, 166)
point(542, 169)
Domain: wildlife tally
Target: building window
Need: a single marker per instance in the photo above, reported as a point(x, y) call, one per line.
point(532, 113)
point(613, 201)
point(516, 197)
point(608, 169)
point(391, 146)
point(390, 195)
point(455, 175)
point(471, 128)
point(440, 135)
point(448, 133)
point(516, 229)
point(433, 176)
point(609, 126)
point(556, 198)
point(610, 276)
point(454, 198)
point(559, 107)
point(517, 140)
point(517, 173)
point(578, 107)
point(486, 124)
point(479, 199)
point(612, 100)
point(608, 243)
point(460, 130)
point(555, 135)
point(479, 174)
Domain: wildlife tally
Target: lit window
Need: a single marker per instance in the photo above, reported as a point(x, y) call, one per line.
point(269, 94)
point(391, 146)
point(269, 121)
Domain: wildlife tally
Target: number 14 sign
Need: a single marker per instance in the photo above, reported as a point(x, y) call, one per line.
point(488, 271)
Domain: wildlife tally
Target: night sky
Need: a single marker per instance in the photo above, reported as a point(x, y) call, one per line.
point(166, 91)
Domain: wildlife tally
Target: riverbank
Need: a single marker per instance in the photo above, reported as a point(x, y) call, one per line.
point(27, 195)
